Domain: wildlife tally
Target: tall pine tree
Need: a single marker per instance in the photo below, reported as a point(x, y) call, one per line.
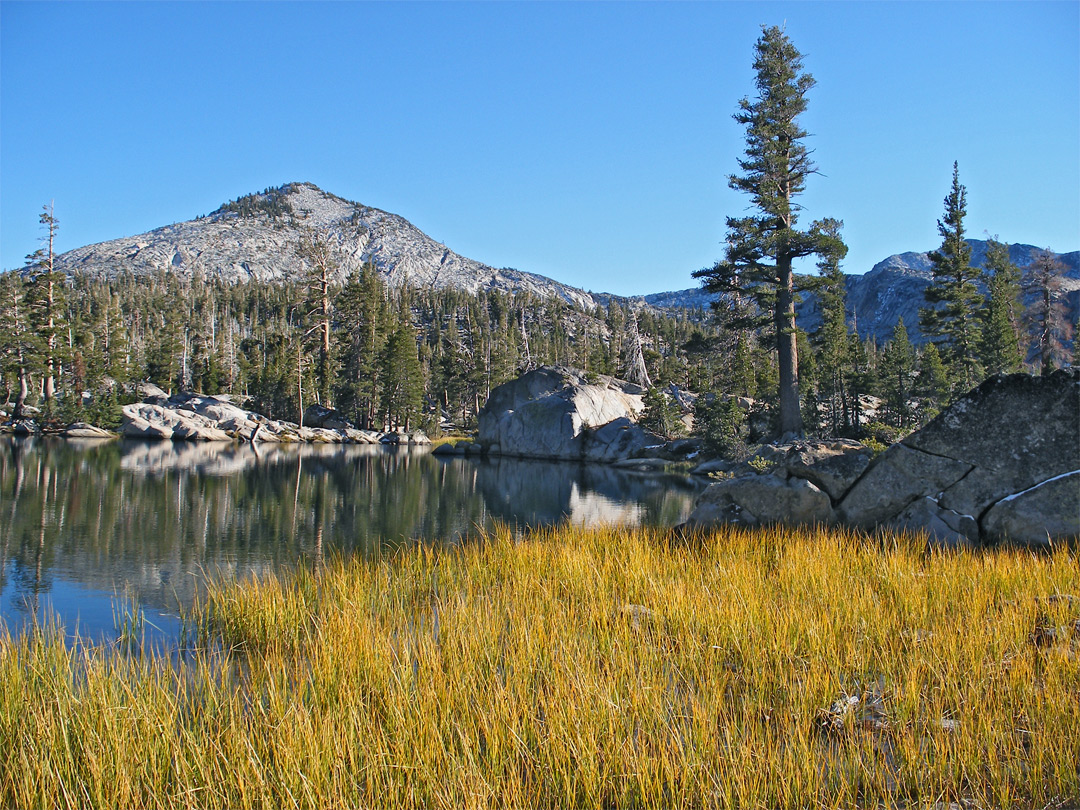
point(762, 248)
point(952, 319)
point(1001, 325)
point(45, 299)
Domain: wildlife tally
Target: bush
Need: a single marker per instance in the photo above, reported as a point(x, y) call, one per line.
point(661, 415)
point(722, 425)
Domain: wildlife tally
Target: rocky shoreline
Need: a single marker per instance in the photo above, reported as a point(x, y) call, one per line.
point(194, 417)
point(1000, 463)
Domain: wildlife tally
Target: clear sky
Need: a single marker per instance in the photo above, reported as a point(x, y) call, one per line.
point(590, 142)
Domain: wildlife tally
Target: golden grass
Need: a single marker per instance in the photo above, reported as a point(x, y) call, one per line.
point(585, 668)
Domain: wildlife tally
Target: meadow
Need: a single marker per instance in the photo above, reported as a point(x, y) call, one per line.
point(567, 667)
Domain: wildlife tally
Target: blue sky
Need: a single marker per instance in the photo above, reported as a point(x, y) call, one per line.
point(590, 142)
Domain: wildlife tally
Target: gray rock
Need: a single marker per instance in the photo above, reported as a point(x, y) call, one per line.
point(325, 436)
point(361, 436)
point(83, 430)
point(148, 421)
point(757, 499)
point(833, 466)
point(945, 526)
point(562, 413)
point(618, 439)
point(150, 392)
point(716, 465)
point(25, 427)
point(1047, 510)
point(449, 449)
point(135, 427)
point(1014, 430)
point(319, 416)
point(217, 410)
point(895, 480)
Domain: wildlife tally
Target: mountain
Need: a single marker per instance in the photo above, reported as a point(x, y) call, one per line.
point(893, 289)
point(254, 237)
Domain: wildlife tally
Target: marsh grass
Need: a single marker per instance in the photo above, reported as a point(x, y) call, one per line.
point(610, 667)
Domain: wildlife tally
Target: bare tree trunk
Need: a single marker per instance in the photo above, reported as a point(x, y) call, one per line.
point(787, 353)
point(300, 382)
point(20, 398)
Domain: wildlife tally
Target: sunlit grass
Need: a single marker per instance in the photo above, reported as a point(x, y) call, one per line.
point(580, 668)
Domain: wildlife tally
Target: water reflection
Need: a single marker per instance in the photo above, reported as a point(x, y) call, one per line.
point(85, 521)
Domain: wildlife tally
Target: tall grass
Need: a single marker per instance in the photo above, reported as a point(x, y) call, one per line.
point(768, 668)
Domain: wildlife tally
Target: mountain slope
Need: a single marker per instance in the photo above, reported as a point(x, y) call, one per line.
point(254, 237)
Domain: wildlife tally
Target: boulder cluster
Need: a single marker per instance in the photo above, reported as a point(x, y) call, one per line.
point(1001, 463)
point(208, 418)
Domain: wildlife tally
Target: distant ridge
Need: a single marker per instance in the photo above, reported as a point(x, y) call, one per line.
point(893, 289)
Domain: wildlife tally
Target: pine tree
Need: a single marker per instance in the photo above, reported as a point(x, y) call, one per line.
point(761, 249)
point(45, 300)
point(932, 382)
point(1047, 317)
point(403, 384)
point(832, 337)
point(321, 270)
point(661, 414)
point(951, 320)
point(722, 425)
point(898, 370)
point(1001, 326)
point(20, 347)
point(363, 313)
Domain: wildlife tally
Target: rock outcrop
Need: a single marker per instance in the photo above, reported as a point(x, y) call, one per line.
point(207, 418)
point(793, 483)
point(561, 413)
point(84, 430)
point(1001, 463)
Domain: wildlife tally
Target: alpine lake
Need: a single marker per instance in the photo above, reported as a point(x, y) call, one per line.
point(96, 533)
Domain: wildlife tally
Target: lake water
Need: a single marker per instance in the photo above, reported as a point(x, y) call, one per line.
point(88, 529)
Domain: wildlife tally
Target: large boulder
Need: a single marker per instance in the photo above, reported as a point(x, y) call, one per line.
point(319, 416)
point(84, 430)
point(1001, 463)
point(900, 476)
point(561, 413)
point(1047, 510)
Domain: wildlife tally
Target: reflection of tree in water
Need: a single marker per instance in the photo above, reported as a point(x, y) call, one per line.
point(150, 520)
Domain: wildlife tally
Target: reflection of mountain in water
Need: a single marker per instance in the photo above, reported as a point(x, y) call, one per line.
point(81, 521)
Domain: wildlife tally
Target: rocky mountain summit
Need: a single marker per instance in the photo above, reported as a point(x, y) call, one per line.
point(255, 237)
point(893, 289)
